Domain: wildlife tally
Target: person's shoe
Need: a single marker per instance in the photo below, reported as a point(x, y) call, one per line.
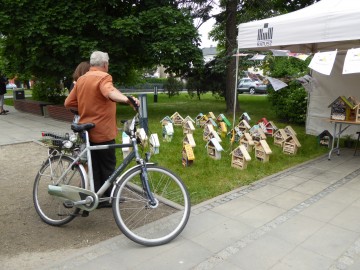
point(85, 213)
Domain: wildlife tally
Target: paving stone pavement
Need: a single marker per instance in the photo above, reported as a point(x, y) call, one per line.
point(306, 217)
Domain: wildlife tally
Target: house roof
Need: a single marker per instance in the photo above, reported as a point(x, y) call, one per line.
point(346, 102)
point(189, 138)
point(216, 144)
point(266, 147)
point(242, 149)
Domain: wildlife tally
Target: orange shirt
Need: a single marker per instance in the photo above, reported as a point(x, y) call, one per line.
point(90, 97)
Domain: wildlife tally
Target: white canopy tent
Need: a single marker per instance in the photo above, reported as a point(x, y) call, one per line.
point(324, 26)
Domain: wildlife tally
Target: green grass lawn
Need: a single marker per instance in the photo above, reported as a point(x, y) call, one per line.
point(208, 178)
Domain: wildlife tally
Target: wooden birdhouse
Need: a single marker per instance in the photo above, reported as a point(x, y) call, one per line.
point(247, 141)
point(235, 135)
point(168, 132)
point(211, 115)
point(166, 120)
point(262, 151)
point(211, 121)
point(343, 109)
point(141, 135)
point(291, 145)
point(222, 131)
point(177, 119)
point(188, 118)
point(244, 126)
point(325, 138)
point(289, 131)
point(189, 139)
point(245, 117)
point(188, 156)
point(215, 135)
point(279, 137)
point(154, 144)
point(207, 131)
point(258, 134)
point(222, 118)
point(240, 157)
point(125, 140)
point(214, 149)
point(201, 119)
point(188, 127)
point(270, 128)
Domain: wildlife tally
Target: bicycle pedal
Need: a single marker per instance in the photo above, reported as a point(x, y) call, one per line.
point(85, 213)
point(68, 204)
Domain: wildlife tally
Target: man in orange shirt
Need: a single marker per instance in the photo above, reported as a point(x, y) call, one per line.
point(95, 97)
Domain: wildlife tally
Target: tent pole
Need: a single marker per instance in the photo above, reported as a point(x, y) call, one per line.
point(236, 83)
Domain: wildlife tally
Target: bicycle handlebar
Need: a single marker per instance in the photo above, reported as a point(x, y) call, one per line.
point(133, 103)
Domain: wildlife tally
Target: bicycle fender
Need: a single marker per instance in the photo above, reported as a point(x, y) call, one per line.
point(122, 175)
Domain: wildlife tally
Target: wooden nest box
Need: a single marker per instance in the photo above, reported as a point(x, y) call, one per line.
point(240, 157)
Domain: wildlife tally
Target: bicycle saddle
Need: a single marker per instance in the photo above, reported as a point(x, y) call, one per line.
point(81, 127)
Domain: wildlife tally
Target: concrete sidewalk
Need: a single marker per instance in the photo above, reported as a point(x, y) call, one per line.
point(306, 217)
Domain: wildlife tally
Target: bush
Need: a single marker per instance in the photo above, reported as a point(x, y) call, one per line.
point(49, 91)
point(289, 103)
point(173, 86)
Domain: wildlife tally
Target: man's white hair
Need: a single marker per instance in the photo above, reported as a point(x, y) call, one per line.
point(98, 58)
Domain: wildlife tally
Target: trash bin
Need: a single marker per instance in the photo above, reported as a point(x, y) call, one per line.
point(18, 94)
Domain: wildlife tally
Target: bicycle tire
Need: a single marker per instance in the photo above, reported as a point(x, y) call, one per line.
point(142, 223)
point(51, 208)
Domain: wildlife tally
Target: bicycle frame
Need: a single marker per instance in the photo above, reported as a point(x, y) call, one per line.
point(89, 181)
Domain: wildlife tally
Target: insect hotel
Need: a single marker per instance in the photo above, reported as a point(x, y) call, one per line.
point(240, 157)
point(215, 135)
point(245, 117)
point(291, 145)
point(257, 133)
point(154, 144)
point(235, 134)
point(279, 137)
point(325, 138)
point(222, 131)
point(268, 126)
point(262, 151)
point(244, 126)
point(207, 131)
point(188, 156)
point(188, 127)
point(214, 149)
point(222, 118)
point(201, 119)
point(344, 109)
point(166, 120)
point(289, 131)
point(247, 141)
point(211, 121)
point(177, 119)
point(168, 132)
point(211, 115)
point(188, 118)
point(189, 139)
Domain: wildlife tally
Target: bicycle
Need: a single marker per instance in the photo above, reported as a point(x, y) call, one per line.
point(150, 204)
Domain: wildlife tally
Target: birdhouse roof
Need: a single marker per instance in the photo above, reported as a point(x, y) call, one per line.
point(271, 124)
point(345, 101)
point(244, 123)
point(189, 125)
point(188, 118)
point(189, 138)
point(211, 115)
point(216, 144)
point(281, 132)
point(222, 118)
point(199, 116)
point(290, 130)
point(248, 138)
point(223, 127)
point(169, 129)
point(294, 139)
point(242, 149)
point(212, 122)
point(215, 135)
point(266, 147)
point(167, 119)
point(177, 116)
point(325, 133)
point(189, 152)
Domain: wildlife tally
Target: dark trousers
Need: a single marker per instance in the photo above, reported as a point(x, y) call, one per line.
point(103, 164)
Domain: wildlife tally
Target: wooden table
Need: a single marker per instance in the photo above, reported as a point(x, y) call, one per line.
point(338, 130)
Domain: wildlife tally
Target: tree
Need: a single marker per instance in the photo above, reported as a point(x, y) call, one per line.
point(48, 39)
point(225, 31)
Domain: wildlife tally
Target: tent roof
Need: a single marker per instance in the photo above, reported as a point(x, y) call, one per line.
point(323, 26)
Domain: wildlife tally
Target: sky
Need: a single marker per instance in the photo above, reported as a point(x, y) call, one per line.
point(203, 31)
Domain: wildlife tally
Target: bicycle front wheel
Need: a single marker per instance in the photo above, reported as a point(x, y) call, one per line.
point(50, 208)
point(142, 222)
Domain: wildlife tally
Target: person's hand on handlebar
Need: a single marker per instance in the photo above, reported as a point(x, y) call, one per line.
point(133, 102)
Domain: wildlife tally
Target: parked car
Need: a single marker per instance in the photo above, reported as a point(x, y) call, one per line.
point(11, 86)
point(247, 85)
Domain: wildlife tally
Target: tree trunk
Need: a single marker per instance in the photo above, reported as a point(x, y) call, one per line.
point(231, 45)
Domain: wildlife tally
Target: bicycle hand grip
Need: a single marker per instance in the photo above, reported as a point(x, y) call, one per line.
point(133, 103)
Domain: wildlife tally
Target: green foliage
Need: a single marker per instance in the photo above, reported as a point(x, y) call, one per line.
point(173, 86)
point(49, 91)
point(48, 39)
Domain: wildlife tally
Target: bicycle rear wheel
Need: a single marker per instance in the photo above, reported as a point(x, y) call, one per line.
point(51, 208)
point(151, 225)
